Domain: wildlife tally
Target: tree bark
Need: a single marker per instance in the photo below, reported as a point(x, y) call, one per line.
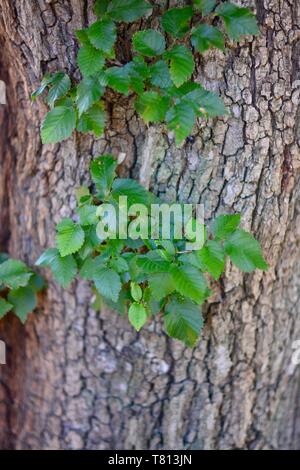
point(79, 380)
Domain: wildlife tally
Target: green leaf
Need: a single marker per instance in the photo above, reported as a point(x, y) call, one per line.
point(212, 258)
point(82, 36)
point(238, 21)
point(181, 64)
point(160, 75)
point(127, 10)
point(205, 6)
point(14, 274)
point(47, 79)
point(58, 124)
point(90, 60)
point(152, 106)
point(23, 301)
point(136, 291)
point(138, 72)
point(119, 264)
point(87, 214)
point(60, 85)
point(183, 320)
point(69, 237)
point(91, 266)
point(93, 120)
point(224, 225)
point(5, 307)
point(103, 173)
point(153, 265)
point(161, 285)
point(149, 43)
point(136, 194)
point(102, 35)
point(205, 103)
point(108, 283)
point(63, 269)
point(100, 7)
point(244, 251)
point(137, 315)
point(205, 37)
point(190, 282)
point(37, 282)
point(176, 21)
point(180, 119)
point(118, 79)
point(88, 92)
point(3, 257)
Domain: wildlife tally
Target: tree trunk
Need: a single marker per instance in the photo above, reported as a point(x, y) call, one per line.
point(76, 379)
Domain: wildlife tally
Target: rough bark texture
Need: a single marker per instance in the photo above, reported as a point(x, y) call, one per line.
point(79, 380)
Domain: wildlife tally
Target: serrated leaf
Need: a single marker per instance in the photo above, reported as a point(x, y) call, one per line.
point(137, 315)
point(47, 79)
point(69, 237)
point(118, 79)
point(87, 214)
point(136, 194)
point(244, 251)
point(205, 6)
point(108, 283)
point(181, 64)
point(14, 273)
point(161, 285)
point(90, 60)
point(93, 120)
point(36, 282)
point(88, 92)
point(160, 75)
point(60, 85)
point(152, 265)
point(103, 173)
point(119, 264)
point(212, 258)
point(205, 37)
point(183, 320)
point(224, 225)
point(138, 72)
point(176, 21)
point(102, 35)
point(190, 282)
point(91, 266)
point(100, 7)
point(205, 103)
point(121, 305)
point(63, 269)
point(5, 307)
point(58, 124)
point(149, 43)
point(136, 291)
point(82, 36)
point(127, 10)
point(238, 21)
point(23, 301)
point(180, 119)
point(152, 106)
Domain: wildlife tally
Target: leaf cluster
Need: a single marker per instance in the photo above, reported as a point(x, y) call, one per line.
point(142, 278)
point(18, 287)
point(159, 74)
